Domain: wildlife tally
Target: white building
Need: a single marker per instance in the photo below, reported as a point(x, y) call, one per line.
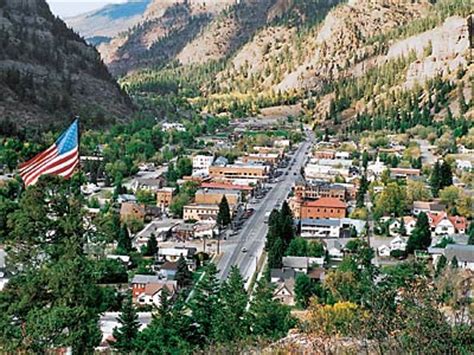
point(202, 162)
point(463, 253)
point(320, 228)
point(398, 243)
point(463, 165)
point(167, 126)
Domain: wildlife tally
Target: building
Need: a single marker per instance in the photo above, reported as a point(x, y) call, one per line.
point(215, 196)
point(320, 228)
point(164, 197)
point(285, 292)
point(305, 190)
point(325, 154)
point(300, 263)
point(243, 189)
point(148, 184)
point(432, 207)
point(403, 173)
point(168, 126)
point(202, 162)
point(265, 158)
point(239, 172)
point(395, 225)
point(173, 254)
point(200, 212)
point(139, 283)
point(168, 270)
point(132, 211)
point(325, 207)
point(442, 224)
point(464, 255)
point(152, 293)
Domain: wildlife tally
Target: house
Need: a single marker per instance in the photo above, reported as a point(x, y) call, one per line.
point(305, 190)
point(334, 249)
point(383, 251)
point(325, 154)
point(325, 207)
point(200, 212)
point(296, 263)
point(161, 229)
point(132, 211)
point(139, 283)
point(174, 253)
point(463, 253)
point(280, 275)
point(432, 207)
point(152, 292)
point(375, 169)
point(221, 161)
point(244, 190)
point(442, 224)
point(285, 292)
point(168, 270)
point(126, 198)
point(123, 259)
point(164, 197)
point(317, 274)
point(463, 165)
point(320, 228)
point(395, 224)
point(398, 243)
point(281, 143)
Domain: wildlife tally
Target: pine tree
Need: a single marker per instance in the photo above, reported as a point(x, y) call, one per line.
point(231, 323)
point(402, 229)
point(268, 317)
point(286, 224)
point(223, 216)
point(127, 332)
point(275, 254)
point(204, 306)
point(435, 179)
point(420, 238)
point(151, 246)
point(183, 276)
point(446, 175)
point(441, 265)
point(124, 243)
point(454, 263)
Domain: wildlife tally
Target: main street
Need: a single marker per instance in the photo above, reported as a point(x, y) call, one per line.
point(252, 236)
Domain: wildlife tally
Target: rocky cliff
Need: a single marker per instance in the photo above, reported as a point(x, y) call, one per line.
point(48, 73)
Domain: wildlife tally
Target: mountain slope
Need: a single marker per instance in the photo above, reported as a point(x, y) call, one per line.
point(48, 73)
point(103, 24)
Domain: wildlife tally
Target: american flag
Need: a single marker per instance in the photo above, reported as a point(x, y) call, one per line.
point(60, 159)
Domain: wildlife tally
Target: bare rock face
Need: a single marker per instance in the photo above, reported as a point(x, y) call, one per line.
point(48, 73)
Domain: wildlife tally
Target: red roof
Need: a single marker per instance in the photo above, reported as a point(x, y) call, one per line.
point(458, 222)
point(219, 185)
point(326, 202)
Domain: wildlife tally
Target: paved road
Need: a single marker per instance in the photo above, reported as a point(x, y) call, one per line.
point(252, 236)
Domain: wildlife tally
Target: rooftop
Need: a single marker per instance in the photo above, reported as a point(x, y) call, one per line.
point(326, 202)
point(463, 253)
point(300, 262)
point(321, 222)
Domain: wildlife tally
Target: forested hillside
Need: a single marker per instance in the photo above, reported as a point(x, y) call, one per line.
point(48, 73)
point(341, 60)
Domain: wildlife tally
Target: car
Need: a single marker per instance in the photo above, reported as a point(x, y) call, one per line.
point(294, 173)
point(244, 250)
point(286, 173)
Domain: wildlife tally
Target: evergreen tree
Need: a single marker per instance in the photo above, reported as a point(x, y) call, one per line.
point(365, 159)
point(223, 216)
point(127, 332)
point(446, 175)
point(470, 233)
point(231, 323)
point(204, 306)
point(52, 299)
point(183, 275)
point(268, 317)
point(420, 238)
point(454, 263)
point(304, 289)
point(124, 242)
point(402, 229)
point(286, 224)
point(275, 254)
point(435, 179)
point(151, 246)
point(441, 265)
point(363, 187)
